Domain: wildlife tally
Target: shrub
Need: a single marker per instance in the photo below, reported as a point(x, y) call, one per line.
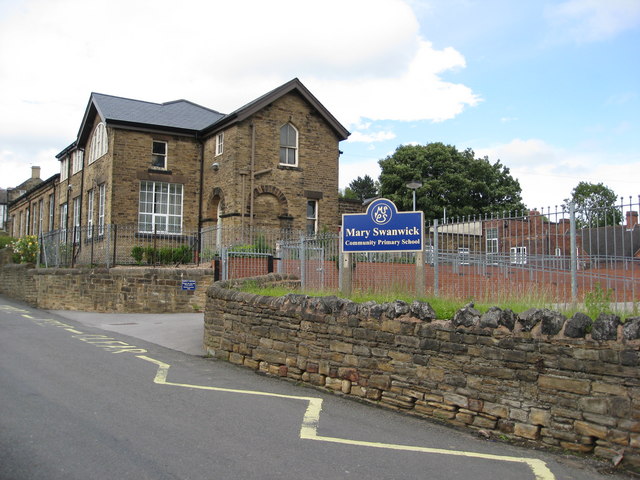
point(137, 253)
point(25, 249)
point(6, 241)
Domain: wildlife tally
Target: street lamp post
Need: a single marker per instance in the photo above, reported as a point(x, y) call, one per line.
point(414, 185)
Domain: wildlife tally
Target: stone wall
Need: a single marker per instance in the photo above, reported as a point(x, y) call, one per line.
point(535, 377)
point(131, 290)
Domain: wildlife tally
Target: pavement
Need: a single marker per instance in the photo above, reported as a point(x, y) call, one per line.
point(177, 331)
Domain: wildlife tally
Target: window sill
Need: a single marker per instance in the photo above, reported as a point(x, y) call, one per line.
point(159, 170)
point(294, 168)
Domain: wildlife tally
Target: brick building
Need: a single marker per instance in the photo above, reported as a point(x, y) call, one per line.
point(176, 167)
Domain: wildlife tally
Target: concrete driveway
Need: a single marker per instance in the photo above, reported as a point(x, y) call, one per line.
point(178, 331)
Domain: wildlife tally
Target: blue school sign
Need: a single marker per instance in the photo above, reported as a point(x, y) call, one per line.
point(382, 229)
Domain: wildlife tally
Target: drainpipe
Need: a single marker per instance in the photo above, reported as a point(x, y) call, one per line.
point(200, 196)
point(252, 173)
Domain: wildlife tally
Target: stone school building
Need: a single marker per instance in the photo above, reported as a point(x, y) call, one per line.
point(179, 167)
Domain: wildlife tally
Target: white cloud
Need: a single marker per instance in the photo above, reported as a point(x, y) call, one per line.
point(371, 137)
point(547, 173)
point(359, 168)
point(593, 20)
point(364, 59)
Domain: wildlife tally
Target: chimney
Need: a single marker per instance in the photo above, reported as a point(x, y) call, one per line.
point(632, 219)
point(35, 173)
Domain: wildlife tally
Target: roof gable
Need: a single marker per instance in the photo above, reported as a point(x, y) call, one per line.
point(259, 103)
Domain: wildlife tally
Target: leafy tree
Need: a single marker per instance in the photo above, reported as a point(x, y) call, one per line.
point(451, 180)
point(595, 205)
point(362, 188)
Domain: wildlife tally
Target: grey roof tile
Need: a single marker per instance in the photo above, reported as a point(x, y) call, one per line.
point(175, 114)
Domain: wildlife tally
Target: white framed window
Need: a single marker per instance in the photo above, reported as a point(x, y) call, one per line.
point(312, 217)
point(64, 168)
point(64, 211)
point(463, 255)
point(492, 245)
point(288, 145)
point(34, 219)
point(558, 252)
point(77, 160)
point(26, 220)
point(102, 193)
point(519, 255)
point(52, 211)
point(99, 143)
point(40, 216)
point(160, 207)
point(219, 143)
point(76, 219)
point(159, 155)
point(90, 195)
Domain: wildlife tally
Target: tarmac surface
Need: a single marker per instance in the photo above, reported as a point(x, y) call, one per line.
point(177, 331)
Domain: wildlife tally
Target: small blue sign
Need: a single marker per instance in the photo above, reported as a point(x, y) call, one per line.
point(382, 229)
point(188, 284)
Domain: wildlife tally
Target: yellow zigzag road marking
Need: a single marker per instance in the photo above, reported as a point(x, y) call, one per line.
point(309, 428)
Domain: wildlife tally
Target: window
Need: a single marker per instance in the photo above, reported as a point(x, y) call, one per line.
point(519, 255)
point(52, 211)
point(492, 245)
point(159, 155)
point(77, 158)
point(90, 194)
point(102, 190)
point(219, 143)
point(76, 219)
point(64, 168)
point(40, 216)
point(160, 208)
point(34, 219)
point(288, 145)
point(99, 143)
point(312, 217)
point(3, 216)
point(463, 255)
point(63, 219)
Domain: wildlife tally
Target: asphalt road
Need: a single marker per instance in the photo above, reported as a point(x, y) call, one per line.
point(79, 402)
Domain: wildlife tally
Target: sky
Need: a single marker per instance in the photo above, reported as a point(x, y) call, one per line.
point(550, 88)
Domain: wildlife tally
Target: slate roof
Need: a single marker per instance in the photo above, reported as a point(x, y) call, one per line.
point(181, 114)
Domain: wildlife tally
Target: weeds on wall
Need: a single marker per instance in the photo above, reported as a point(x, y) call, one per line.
point(598, 301)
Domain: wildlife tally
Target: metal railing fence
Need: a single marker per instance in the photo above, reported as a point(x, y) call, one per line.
point(552, 256)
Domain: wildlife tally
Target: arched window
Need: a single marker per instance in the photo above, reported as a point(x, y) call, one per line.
point(288, 145)
point(99, 143)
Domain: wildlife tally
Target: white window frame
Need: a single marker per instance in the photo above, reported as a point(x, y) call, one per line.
point(40, 215)
point(102, 190)
point(90, 195)
point(312, 218)
point(160, 207)
point(76, 219)
point(34, 219)
point(159, 160)
point(64, 168)
point(289, 148)
point(518, 255)
point(463, 255)
point(77, 161)
point(219, 144)
point(52, 211)
point(64, 212)
point(99, 143)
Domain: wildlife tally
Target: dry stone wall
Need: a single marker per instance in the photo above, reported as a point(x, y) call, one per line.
point(132, 290)
point(536, 377)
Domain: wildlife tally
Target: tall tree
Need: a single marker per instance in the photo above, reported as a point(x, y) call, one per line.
point(451, 180)
point(595, 205)
point(363, 187)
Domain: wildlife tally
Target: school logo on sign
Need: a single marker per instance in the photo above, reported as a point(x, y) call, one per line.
point(382, 229)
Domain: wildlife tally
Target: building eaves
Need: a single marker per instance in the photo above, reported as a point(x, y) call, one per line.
point(51, 180)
